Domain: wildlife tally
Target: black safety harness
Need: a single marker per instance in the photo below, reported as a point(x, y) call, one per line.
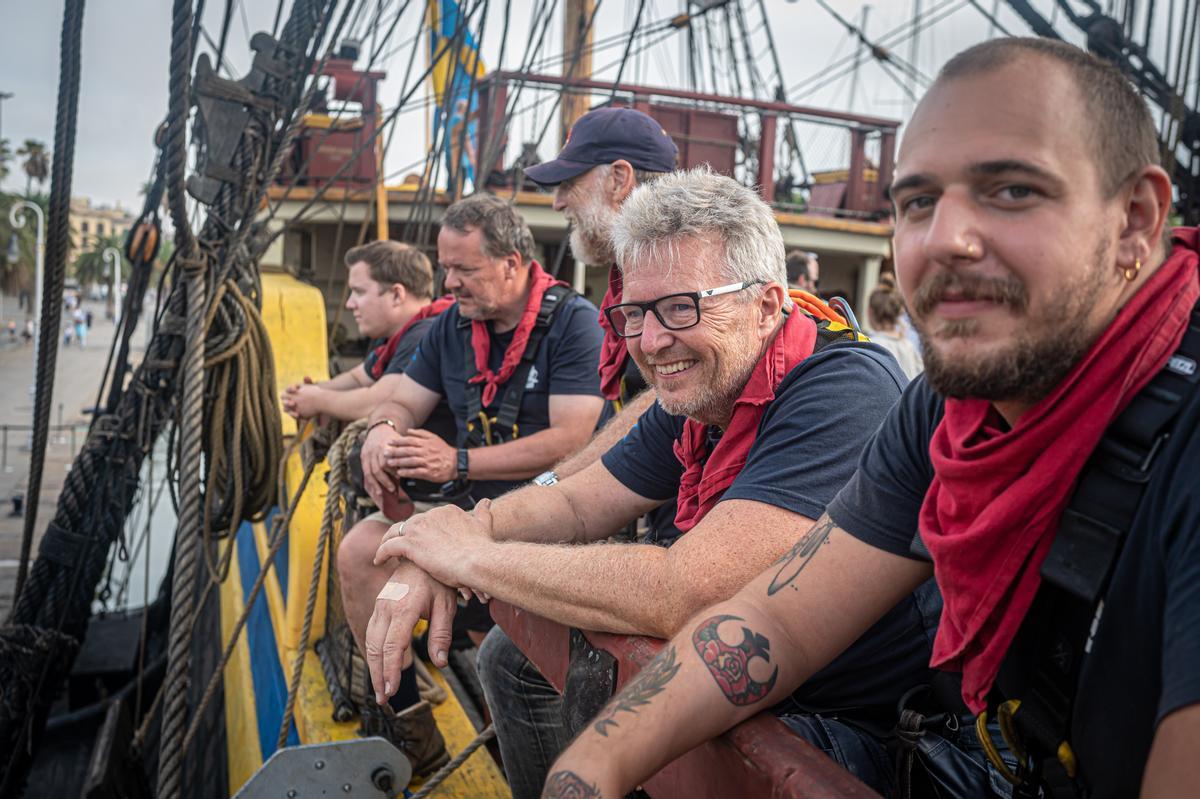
point(1034, 693)
point(483, 430)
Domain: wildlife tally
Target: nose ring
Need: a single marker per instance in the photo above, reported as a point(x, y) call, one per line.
point(972, 250)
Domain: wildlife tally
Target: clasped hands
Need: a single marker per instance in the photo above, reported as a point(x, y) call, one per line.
point(300, 401)
point(417, 454)
point(435, 554)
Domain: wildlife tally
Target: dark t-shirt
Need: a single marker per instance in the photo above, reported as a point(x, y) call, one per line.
point(566, 364)
point(807, 446)
point(1145, 656)
point(441, 421)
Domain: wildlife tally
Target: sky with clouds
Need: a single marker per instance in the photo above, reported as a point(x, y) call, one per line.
point(123, 92)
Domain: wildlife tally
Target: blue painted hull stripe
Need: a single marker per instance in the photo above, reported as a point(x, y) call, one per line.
point(270, 686)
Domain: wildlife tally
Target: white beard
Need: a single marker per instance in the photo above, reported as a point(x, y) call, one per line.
point(590, 240)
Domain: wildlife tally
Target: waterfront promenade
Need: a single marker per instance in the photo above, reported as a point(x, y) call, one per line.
point(79, 370)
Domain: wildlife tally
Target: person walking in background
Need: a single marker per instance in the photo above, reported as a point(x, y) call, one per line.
point(80, 320)
point(885, 316)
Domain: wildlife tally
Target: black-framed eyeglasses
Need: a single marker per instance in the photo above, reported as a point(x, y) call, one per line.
point(674, 311)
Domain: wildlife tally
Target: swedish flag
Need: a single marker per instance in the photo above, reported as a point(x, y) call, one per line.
point(454, 54)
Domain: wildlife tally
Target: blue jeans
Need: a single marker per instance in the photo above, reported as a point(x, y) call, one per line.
point(857, 751)
point(526, 711)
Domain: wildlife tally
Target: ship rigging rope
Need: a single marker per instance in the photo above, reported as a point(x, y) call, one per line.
point(192, 506)
point(51, 612)
point(334, 513)
point(58, 239)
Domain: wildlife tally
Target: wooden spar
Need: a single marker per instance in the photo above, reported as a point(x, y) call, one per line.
point(381, 194)
point(577, 58)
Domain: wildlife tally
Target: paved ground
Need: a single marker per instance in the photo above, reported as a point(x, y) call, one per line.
point(79, 370)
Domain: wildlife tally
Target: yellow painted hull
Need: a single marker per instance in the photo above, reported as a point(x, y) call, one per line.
point(255, 680)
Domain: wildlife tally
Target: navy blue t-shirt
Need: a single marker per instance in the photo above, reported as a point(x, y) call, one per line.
point(807, 446)
point(405, 348)
point(566, 363)
point(1145, 656)
point(441, 421)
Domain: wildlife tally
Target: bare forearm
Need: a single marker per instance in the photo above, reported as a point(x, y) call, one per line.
point(676, 702)
point(524, 457)
point(538, 514)
point(618, 588)
point(346, 380)
point(397, 413)
point(609, 435)
point(348, 405)
point(741, 656)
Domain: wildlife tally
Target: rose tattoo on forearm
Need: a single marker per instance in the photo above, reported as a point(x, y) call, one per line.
point(729, 665)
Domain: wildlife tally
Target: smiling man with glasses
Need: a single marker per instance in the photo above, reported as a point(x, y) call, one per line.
point(760, 418)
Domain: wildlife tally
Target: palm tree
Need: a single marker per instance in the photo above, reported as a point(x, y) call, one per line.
point(37, 163)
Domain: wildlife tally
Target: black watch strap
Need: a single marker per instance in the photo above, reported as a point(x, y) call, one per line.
point(464, 462)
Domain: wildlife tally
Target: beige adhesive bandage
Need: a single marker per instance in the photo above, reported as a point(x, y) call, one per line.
point(392, 590)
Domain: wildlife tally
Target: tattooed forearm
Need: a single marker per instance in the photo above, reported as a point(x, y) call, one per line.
point(648, 682)
point(569, 785)
point(729, 665)
point(796, 558)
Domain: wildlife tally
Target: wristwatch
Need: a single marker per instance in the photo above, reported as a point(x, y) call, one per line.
point(546, 478)
point(464, 460)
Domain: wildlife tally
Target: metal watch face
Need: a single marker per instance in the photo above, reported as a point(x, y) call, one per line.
point(546, 479)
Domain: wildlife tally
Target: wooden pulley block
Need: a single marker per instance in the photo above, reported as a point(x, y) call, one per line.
point(142, 244)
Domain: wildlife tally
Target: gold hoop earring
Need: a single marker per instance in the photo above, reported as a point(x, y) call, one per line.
point(1131, 272)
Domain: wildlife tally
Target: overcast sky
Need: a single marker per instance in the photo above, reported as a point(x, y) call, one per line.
point(123, 93)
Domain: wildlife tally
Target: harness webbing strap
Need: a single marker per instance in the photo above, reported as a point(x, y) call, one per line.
point(1043, 666)
point(479, 427)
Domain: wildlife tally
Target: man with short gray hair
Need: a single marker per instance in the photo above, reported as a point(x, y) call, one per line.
point(761, 414)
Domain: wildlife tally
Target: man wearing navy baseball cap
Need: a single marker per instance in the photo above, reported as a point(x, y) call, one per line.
point(609, 152)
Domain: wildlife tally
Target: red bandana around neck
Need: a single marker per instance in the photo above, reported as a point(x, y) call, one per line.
point(704, 482)
point(993, 507)
point(614, 350)
point(481, 340)
point(385, 351)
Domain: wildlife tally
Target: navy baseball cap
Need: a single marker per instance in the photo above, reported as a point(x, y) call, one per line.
point(606, 135)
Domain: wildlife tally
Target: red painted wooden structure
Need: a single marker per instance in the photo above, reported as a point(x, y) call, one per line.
point(705, 134)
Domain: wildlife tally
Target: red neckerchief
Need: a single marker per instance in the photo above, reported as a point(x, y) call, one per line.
point(613, 351)
point(704, 482)
point(481, 342)
point(385, 351)
point(993, 507)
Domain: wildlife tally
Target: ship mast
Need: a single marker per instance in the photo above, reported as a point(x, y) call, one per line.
point(577, 58)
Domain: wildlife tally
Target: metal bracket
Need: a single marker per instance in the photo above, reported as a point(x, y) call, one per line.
point(360, 767)
point(591, 682)
point(224, 107)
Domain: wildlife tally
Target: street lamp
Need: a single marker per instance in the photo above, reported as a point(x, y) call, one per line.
point(112, 257)
point(16, 217)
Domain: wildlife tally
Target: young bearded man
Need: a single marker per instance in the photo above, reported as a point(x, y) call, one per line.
point(1029, 245)
point(391, 287)
point(759, 422)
